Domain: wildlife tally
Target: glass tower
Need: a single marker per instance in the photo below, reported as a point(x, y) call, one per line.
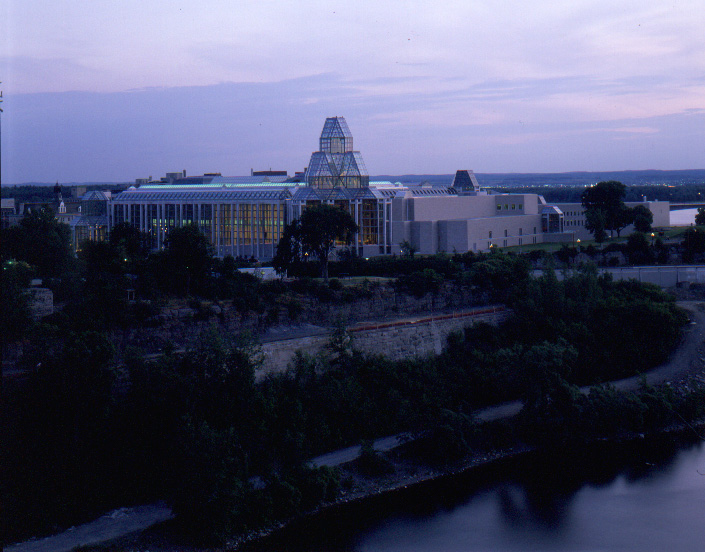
point(336, 165)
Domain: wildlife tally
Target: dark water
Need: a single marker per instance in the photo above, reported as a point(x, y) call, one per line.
point(647, 496)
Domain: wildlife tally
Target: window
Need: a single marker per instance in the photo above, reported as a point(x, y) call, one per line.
point(499, 207)
point(225, 229)
point(505, 233)
point(490, 235)
point(245, 225)
point(370, 222)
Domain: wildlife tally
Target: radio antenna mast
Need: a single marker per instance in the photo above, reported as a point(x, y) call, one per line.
point(1, 137)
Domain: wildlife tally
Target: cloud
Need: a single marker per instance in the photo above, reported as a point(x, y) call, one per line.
point(497, 126)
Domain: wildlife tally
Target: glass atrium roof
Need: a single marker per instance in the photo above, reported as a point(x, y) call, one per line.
point(435, 191)
point(203, 193)
point(226, 183)
point(336, 136)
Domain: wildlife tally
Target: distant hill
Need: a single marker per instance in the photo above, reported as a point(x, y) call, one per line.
point(552, 180)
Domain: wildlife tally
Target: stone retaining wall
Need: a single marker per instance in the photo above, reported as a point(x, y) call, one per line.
point(180, 325)
point(396, 340)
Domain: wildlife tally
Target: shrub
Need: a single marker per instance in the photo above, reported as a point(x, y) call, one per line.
point(372, 464)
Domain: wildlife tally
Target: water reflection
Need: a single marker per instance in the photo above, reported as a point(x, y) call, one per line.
point(645, 496)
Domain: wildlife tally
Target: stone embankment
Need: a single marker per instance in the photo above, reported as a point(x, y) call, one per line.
point(181, 325)
point(396, 339)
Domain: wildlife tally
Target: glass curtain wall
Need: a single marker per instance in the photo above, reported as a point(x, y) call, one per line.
point(370, 222)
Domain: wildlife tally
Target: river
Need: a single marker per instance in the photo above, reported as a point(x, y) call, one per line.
point(646, 496)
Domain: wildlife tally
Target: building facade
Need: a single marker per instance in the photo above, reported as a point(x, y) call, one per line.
point(246, 216)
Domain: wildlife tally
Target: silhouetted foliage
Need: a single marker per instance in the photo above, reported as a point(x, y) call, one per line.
point(700, 216)
point(41, 241)
point(16, 320)
point(693, 244)
point(228, 451)
point(314, 233)
point(187, 259)
point(420, 283)
point(606, 198)
point(642, 218)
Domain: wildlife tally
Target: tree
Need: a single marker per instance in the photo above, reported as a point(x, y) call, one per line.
point(316, 232)
point(189, 256)
point(643, 218)
point(693, 244)
point(624, 217)
point(608, 197)
point(16, 319)
point(700, 216)
point(289, 253)
point(131, 243)
point(638, 250)
point(596, 222)
point(407, 249)
point(545, 368)
point(42, 241)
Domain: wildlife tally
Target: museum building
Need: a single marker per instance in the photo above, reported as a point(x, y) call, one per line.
point(246, 216)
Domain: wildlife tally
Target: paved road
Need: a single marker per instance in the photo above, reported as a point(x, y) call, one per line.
point(117, 523)
point(343, 456)
point(684, 361)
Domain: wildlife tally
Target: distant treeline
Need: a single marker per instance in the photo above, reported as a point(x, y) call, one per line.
point(565, 194)
point(576, 179)
point(41, 193)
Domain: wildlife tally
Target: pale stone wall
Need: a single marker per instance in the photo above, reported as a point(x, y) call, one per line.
point(396, 340)
point(516, 204)
point(661, 211)
point(450, 207)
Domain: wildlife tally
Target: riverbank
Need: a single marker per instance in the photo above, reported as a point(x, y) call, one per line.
point(406, 471)
point(407, 475)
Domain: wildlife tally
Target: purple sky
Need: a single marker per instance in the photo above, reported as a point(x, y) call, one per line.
point(112, 91)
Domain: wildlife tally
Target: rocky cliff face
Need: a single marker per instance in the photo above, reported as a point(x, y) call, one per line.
point(179, 325)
